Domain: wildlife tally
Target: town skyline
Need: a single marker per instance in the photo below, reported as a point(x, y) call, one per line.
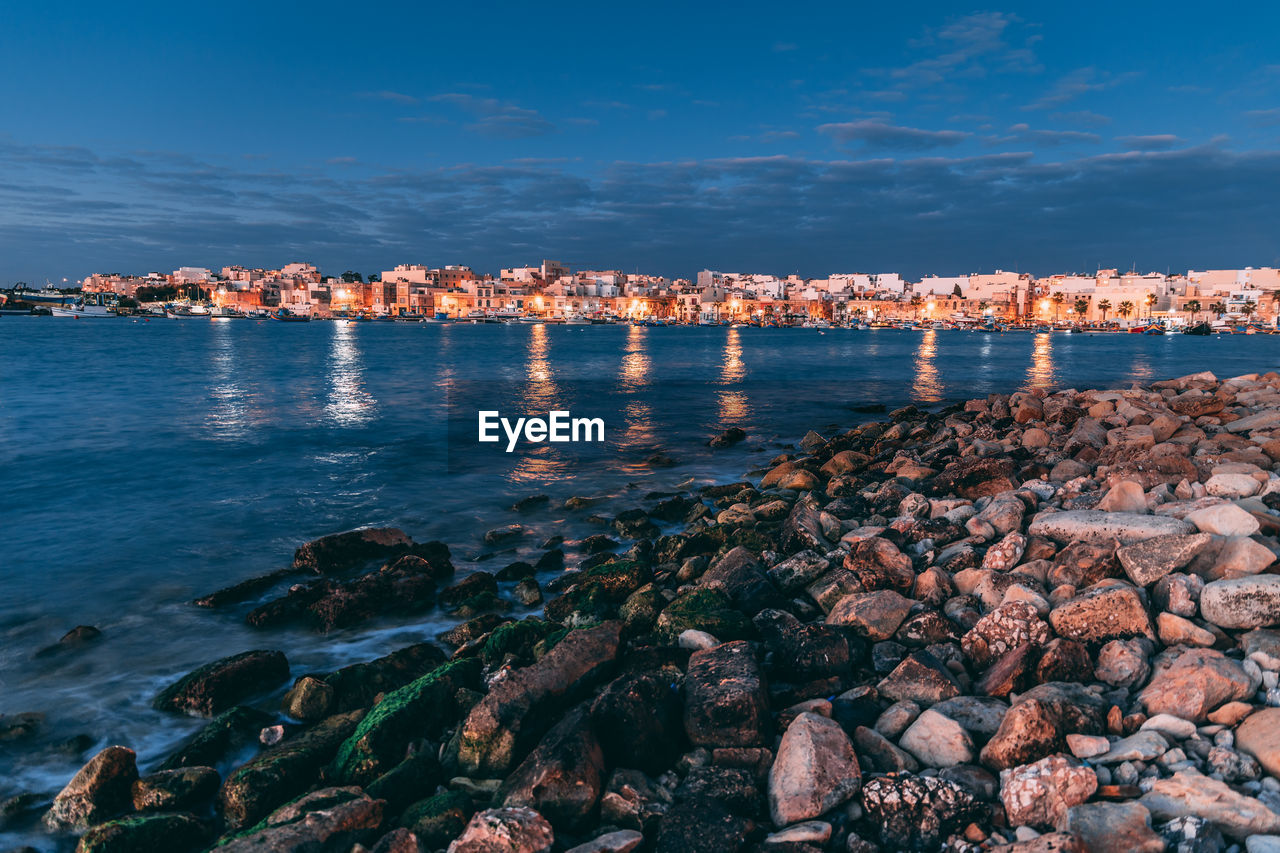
point(935, 138)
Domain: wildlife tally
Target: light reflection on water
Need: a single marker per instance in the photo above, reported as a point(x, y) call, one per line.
point(348, 403)
point(1040, 373)
point(634, 378)
point(228, 415)
point(733, 402)
point(542, 395)
point(928, 384)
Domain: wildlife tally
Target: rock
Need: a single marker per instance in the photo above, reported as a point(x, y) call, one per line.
point(173, 833)
point(1124, 496)
point(1189, 793)
point(881, 753)
point(184, 789)
point(1224, 520)
point(1004, 629)
point(728, 438)
point(1148, 561)
point(802, 529)
point(100, 790)
point(1241, 603)
point(876, 563)
point(725, 699)
point(1050, 842)
point(1178, 593)
point(1173, 728)
point(514, 829)
point(1176, 631)
point(419, 709)
point(1112, 612)
point(1097, 526)
point(228, 731)
point(874, 615)
point(920, 678)
point(815, 770)
point(1267, 419)
point(702, 824)
point(915, 812)
point(1241, 555)
point(703, 609)
point(639, 721)
point(1195, 683)
point(814, 832)
point(309, 699)
point(438, 819)
point(340, 551)
point(1123, 663)
point(1088, 746)
point(518, 709)
point(1259, 736)
point(620, 841)
point(1013, 672)
point(741, 575)
point(564, 775)
point(1114, 828)
point(1232, 486)
point(1139, 746)
point(938, 741)
point(798, 570)
point(282, 772)
point(1035, 438)
point(1040, 794)
point(217, 686)
point(974, 477)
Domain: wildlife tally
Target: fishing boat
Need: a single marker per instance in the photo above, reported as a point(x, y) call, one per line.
point(188, 312)
point(532, 319)
point(576, 320)
point(284, 315)
point(91, 306)
point(1198, 329)
point(48, 295)
point(1153, 329)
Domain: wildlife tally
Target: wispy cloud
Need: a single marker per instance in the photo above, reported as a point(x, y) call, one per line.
point(1023, 134)
point(388, 95)
point(1079, 82)
point(972, 46)
point(1150, 142)
point(1263, 118)
point(497, 118)
point(873, 134)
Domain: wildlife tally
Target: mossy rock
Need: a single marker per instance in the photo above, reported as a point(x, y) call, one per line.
point(703, 609)
point(407, 782)
point(225, 732)
point(599, 592)
point(518, 638)
point(419, 709)
point(440, 819)
point(173, 833)
point(641, 609)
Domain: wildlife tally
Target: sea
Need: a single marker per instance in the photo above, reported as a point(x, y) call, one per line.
point(144, 463)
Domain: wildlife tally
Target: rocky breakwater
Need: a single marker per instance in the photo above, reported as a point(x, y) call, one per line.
point(1032, 622)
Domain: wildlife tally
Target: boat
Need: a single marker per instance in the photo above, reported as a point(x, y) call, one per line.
point(188, 312)
point(1153, 329)
point(226, 312)
point(91, 306)
point(1198, 329)
point(47, 295)
point(284, 315)
point(531, 319)
point(576, 320)
point(473, 317)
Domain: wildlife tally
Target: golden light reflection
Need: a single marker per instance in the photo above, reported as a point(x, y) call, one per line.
point(1040, 371)
point(540, 462)
point(542, 388)
point(633, 377)
point(927, 385)
point(733, 403)
point(349, 404)
point(229, 416)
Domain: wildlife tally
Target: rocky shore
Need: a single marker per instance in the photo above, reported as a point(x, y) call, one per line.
point(1031, 622)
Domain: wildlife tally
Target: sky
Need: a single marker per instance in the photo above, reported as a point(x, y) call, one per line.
point(925, 137)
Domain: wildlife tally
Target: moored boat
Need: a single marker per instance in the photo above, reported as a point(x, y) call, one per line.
point(284, 315)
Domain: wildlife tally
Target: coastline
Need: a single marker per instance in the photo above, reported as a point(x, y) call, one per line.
point(820, 604)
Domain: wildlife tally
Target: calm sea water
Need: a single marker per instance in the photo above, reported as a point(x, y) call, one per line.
point(145, 463)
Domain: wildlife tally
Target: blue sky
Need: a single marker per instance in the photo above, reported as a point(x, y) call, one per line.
point(925, 137)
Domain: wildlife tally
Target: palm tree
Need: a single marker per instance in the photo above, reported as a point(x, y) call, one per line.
point(983, 305)
point(1125, 309)
point(1247, 309)
point(916, 302)
point(1194, 307)
point(1057, 299)
point(1218, 308)
point(1149, 300)
point(1105, 305)
point(1081, 306)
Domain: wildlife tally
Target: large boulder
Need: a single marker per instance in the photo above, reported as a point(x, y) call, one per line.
point(639, 722)
point(726, 703)
point(340, 551)
point(564, 775)
point(1242, 603)
point(1190, 793)
point(512, 829)
point(519, 709)
point(815, 770)
point(172, 833)
point(1097, 526)
point(1102, 613)
point(1195, 683)
point(330, 819)
point(217, 686)
point(915, 812)
point(1148, 561)
point(101, 789)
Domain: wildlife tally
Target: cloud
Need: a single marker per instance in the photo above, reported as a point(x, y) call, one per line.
point(1081, 118)
point(1150, 142)
point(1264, 118)
point(387, 95)
point(784, 47)
point(72, 211)
point(1022, 134)
point(496, 118)
point(972, 46)
point(1079, 82)
point(873, 134)
point(341, 161)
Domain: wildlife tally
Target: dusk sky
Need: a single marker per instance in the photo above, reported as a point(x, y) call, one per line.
point(916, 138)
